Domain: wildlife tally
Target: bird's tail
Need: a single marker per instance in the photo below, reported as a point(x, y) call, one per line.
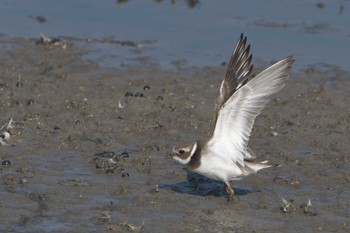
point(254, 167)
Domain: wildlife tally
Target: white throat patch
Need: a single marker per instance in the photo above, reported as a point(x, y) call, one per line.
point(194, 148)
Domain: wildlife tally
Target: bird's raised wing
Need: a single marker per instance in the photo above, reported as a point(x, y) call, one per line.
point(237, 74)
point(236, 116)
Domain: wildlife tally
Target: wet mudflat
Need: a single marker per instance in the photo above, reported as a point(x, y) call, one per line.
point(89, 148)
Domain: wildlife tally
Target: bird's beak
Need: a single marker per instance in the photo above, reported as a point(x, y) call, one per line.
point(172, 154)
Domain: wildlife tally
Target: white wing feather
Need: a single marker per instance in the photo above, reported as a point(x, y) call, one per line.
point(236, 117)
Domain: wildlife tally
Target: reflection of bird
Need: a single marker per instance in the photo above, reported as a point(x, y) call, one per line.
point(225, 155)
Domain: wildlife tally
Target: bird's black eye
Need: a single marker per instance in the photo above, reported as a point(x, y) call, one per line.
point(181, 151)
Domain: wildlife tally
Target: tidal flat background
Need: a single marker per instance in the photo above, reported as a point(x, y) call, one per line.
point(100, 91)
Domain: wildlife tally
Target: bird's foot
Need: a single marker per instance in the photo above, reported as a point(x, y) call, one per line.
point(232, 198)
point(231, 193)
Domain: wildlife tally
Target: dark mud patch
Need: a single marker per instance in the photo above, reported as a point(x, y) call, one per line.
point(69, 110)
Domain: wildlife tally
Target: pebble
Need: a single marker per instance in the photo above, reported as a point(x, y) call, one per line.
point(23, 181)
point(19, 84)
point(129, 93)
point(30, 102)
point(138, 94)
point(308, 209)
point(274, 134)
point(122, 103)
point(125, 154)
point(287, 206)
point(109, 170)
point(125, 174)
point(111, 162)
point(6, 162)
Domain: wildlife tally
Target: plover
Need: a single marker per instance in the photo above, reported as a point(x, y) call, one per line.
point(225, 155)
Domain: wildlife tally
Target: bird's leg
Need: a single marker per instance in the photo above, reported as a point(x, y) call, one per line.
point(230, 191)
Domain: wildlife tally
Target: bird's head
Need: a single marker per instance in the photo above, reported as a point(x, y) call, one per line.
point(183, 153)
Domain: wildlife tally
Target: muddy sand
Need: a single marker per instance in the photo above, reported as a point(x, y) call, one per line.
point(89, 148)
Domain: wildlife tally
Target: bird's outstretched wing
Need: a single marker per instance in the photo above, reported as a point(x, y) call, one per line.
point(237, 74)
point(236, 116)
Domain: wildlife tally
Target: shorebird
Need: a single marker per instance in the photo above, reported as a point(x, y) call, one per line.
point(224, 155)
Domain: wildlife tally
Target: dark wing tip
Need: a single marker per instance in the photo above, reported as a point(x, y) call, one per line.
point(289, 61)
point(239, 67)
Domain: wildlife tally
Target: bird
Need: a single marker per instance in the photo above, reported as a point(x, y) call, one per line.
point(224, 155)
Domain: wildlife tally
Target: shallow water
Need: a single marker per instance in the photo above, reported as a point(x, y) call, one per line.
point(178, 35)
